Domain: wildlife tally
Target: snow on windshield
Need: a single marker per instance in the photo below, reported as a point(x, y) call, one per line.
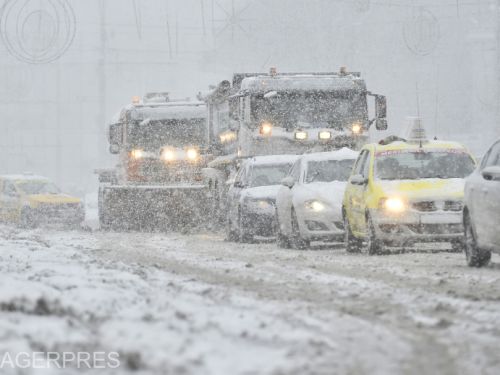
point(329, 170)
point(38, 187)
point(412, 165)
point(266, 175)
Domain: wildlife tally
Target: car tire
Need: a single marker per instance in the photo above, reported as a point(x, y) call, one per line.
point(282, 240)
point(27, 219)
point(475, 256)
point(231, 234)
point(298, 242)
point(373, 245)
point(243, 235)
point(352, 244)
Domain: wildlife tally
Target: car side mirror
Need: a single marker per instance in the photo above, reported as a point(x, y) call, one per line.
point(381, 124)
point(491, 173)
point(288, 182)
point(358, 179)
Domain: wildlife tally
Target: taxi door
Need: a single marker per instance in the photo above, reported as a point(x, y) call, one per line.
point(9, 199)
point(356, 202)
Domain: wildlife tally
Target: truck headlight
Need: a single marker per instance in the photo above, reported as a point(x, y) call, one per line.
point(266, 128)
point(301, 135)
point(394, 205)
point(315, 205)
point(168, 154)
point(192, 154)
point(137, 154)
point(325, 135)
point(356, 128)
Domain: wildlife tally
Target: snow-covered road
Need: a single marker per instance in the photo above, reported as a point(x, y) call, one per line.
point(179, 304)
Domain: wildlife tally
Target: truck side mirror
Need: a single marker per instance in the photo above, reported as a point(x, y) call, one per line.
point(381, 124)
point(380, 107)
point(115, 137)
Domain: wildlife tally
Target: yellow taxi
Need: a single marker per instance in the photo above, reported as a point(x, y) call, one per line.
point(404, 192)
point(30, 200)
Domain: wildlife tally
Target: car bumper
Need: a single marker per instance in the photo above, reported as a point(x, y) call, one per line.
point(418, 227)
point(58, 216)
point(259, 224)
point(322, 226)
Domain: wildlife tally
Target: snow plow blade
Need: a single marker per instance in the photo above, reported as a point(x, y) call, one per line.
point(152, 207)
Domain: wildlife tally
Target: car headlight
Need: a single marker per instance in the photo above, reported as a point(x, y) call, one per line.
point(315, 205)
point(266, 128)
point(137, 153)
point(394, 205)
point(192, 154)
point(301, 135)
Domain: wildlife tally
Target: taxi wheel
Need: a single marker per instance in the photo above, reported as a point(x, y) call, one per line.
point(28, 219)
point(352, 244)
point(282, 240)
point(475, 256)
point(298, 242)
point(373, 245)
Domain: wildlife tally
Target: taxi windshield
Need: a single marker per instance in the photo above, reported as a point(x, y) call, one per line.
point(37, 187)
point(328, 170)
point(412, 165)
point(266, 175)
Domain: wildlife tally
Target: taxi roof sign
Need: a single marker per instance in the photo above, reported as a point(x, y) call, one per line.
point(415, 130)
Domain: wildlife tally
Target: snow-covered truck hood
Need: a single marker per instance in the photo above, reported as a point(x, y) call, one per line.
point(261, 192)
point(429, 188)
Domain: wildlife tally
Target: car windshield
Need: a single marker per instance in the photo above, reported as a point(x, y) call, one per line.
point(37, 187)
point(328, 170)
point(266, 175)
point(311, 109)
point(412, 165)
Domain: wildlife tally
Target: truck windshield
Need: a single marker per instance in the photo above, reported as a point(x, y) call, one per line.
point(412, 165)
point(311, 109)
point(37, 187)
point(177, 133)
point(328, 170)
point(265, 175)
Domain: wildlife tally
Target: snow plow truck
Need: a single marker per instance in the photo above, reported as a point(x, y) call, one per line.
point(285, 113)
point(162, 147)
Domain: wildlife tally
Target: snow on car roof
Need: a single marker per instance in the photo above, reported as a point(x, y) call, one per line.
point(400, 145)
point(342, 154)
point(273, 159)
point(25, 177)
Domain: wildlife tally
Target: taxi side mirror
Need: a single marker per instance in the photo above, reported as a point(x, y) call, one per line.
point(358, 179)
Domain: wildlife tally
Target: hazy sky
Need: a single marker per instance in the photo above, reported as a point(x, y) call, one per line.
point(67, 66)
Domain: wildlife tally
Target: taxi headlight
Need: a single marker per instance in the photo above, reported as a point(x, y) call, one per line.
point(356, 129)
point(192, 154)
point(137, 153)
point(266, 128)
point(301, 135)
point(325, 135)
point(168, 154)
point(393, 205)
point(315, 205)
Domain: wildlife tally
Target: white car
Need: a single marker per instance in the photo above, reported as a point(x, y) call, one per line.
point(309, 204)
point(252, 196)
point(482, 209)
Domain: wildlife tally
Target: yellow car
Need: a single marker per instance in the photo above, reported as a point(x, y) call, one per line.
point(401, 192)
point(30, 200)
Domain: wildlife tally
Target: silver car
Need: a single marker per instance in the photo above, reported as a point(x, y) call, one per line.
point(482, 209)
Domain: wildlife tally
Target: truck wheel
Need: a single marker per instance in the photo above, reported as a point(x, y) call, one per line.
point(475, 256)
point(297, 240)
point(373, 245)
point(352, 244)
